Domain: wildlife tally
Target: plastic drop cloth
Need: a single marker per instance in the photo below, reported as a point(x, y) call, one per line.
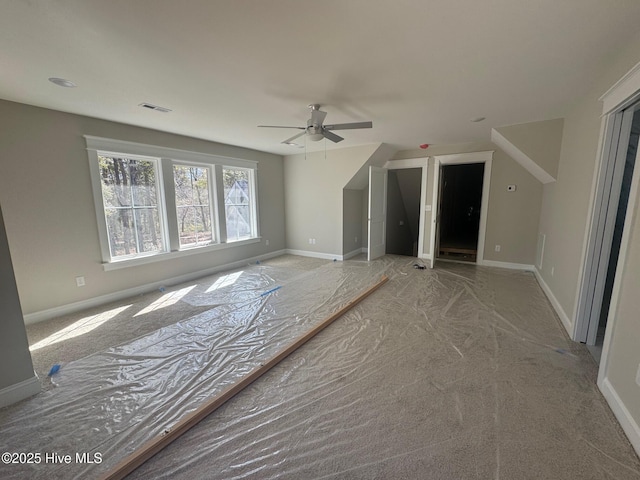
point(112, 402)
point(453, 373)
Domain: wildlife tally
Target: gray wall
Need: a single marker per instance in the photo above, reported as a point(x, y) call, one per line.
point(624, 360)
point(512, 218)
point(351, 220)
point(564, 220)
point(540, 141)
point(50, 218)
point(314, 196)
point(14, 348)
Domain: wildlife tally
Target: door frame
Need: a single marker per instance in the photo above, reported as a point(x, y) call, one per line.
point(485, 157)
point(603, 217)
point(622, 95)
point(422, 164)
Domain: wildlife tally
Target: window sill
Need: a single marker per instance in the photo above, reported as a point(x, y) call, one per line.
point(159, 257)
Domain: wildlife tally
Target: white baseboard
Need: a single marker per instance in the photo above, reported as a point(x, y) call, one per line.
point(354, 253)
point(564, 318)
point(14, 393)
point(425, 256)
point(509, 265)
point(131, 292)
point(305, 253)
point(627, 422)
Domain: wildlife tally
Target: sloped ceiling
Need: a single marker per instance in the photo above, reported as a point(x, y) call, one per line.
point(419, 69)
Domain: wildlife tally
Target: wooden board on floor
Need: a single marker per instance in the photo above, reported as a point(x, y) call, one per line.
point(148, 450)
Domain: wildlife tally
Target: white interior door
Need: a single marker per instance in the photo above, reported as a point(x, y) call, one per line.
point(377, 218)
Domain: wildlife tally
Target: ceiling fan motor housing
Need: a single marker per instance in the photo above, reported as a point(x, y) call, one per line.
point(314, 133)
point(315, 129)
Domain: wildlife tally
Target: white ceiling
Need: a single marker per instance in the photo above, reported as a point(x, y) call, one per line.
point(419, 69)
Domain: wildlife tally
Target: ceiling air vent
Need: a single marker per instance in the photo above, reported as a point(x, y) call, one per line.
point(154, 107)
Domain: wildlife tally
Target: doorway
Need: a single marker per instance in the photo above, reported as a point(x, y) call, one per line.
point(403, 211)
point(377, 221)
point(484, 158)
point(610, 213)
point(460, 206)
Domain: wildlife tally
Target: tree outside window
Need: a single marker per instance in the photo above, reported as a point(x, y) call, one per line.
point(130, 197)
point(193, 205)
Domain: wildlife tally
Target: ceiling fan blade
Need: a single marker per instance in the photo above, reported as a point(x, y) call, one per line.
point(290, 140)
point(332, 136)
point(317, 117)
point(349, 126)
point(280, 126)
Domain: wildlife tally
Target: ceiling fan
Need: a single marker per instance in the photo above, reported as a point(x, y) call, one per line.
point(315, 130)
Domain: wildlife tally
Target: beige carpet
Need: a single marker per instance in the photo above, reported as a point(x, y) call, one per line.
point(453, 373)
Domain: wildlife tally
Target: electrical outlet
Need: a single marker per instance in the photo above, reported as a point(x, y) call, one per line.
point(266, 242)
point(638, 376)
point(511, 188)
point(310, 241)
point(80, 281)
point(552, 270)
point(498, 248)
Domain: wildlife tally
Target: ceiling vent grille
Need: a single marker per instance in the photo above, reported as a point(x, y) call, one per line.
point(154, 107)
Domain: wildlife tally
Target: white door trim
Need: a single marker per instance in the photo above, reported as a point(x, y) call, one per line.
point(485, 157)
point(621, 95)
point(603, 219)
point(415, 163)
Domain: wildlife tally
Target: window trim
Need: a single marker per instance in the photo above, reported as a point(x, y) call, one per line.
point(160, 202)
point(252, 205)
point(166, 158)
point(213, 204)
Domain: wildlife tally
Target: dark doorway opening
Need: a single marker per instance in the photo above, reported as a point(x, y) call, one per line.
point(403, 211)
point(460, 203)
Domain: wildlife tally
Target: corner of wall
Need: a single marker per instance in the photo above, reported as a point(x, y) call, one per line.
point(622, 414)
point(564, 318)
point(521, 157)
point(19, 391)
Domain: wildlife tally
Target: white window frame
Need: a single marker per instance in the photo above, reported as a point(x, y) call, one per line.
point(252, 204)
point(160, 202)
point(167, 157)
point(213, 204)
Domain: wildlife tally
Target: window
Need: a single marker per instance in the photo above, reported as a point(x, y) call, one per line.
point(238, 203)
point(154, 203)
point(193, 206)
point(130, 196)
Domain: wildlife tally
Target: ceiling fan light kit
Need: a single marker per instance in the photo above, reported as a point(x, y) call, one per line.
point(316, 130)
